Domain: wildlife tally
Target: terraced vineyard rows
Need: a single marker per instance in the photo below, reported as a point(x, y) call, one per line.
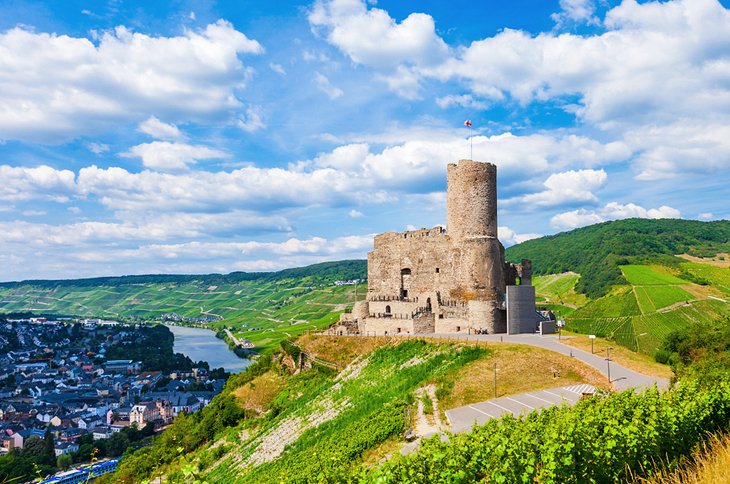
point(340, 418)
point(642, 315)
point(719, 277)
point(263, 310)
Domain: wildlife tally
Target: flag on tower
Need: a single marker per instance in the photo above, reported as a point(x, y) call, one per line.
point(467, 123)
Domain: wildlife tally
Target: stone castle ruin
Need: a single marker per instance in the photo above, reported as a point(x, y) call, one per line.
point(447, 281)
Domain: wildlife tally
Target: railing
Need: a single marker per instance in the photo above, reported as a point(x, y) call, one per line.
point(414, 314)
point(392, 298)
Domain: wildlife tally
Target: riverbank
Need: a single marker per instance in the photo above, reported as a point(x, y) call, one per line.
point(202, 344)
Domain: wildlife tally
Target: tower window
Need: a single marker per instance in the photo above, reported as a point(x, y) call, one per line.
point(438, 270)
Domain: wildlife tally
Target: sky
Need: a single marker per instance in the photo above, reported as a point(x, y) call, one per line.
point(196, 136)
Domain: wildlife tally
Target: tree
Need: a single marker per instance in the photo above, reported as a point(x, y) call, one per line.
point(117, 444)
point(84, 452)
point(33, 446)
point(49, 453)
point(63, 461)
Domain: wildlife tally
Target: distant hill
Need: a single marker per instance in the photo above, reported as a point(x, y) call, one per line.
point(322, 272)
point(597, 251)
point(265, 307)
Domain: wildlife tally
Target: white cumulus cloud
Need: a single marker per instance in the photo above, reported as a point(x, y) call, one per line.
point(324, 85)
point(159, 130)
point(566, 187)
point(56, 87)
point(167, 156)
point(372, 37)
point(40, 183)
point(509, 237)
point(251, 121)
point(611, 211)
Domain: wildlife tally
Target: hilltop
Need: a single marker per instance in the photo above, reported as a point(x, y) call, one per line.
point(321, 273)
point(598, 250)
point(633, 281)
point(265, 307)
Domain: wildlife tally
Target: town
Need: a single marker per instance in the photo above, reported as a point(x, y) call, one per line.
point(88, 389)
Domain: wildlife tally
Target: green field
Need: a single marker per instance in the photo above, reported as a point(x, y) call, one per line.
point(642, 315)
point(719, 277)
point(649, 275)
point(557, 292)
point(264, 310)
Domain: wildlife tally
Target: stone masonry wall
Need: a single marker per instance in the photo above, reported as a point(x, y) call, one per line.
point(471, 199)
point(432, 280)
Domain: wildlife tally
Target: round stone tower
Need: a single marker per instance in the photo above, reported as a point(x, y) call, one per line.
point(471, 200)
point(471, 222)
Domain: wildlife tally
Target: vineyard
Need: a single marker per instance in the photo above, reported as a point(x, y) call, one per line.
point(645, 333)
point(719, 277)
point(653, 298)
point(657, 303)
point(620, 302)
point(341, 419)
point(649, 275)
point(557, 292)
point(600, 440)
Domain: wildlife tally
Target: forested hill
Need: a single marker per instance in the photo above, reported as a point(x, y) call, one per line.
point(596, 251)
point(323, 272)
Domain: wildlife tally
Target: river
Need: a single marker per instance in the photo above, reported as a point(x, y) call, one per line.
point(201, 344)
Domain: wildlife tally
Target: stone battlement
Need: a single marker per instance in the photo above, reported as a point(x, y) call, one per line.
point(440, 279)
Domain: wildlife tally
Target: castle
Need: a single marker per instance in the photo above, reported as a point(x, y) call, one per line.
point(447, 281)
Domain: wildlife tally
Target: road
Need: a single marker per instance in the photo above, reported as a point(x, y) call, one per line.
point(235, 340)
point(463, 418)
point(621, 377)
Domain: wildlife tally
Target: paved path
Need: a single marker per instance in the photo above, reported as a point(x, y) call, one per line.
point(463, 418)
point(621, 377)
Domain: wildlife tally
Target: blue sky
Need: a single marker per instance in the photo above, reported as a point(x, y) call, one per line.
point(198, 136)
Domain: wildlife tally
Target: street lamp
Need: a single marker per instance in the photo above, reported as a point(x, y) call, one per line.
point(608, 362)
point(495, 379)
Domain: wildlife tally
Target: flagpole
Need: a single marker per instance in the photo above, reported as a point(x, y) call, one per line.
point(471, 144)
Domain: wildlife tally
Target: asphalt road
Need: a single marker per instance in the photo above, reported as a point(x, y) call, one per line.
point(622, 378)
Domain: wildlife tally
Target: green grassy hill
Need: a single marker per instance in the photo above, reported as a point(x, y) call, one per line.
point(348, 426)
point(634, 281)
point(640, 314)
point(597, 251)
point(262, 307)
point(655, 300)
point(321, 425)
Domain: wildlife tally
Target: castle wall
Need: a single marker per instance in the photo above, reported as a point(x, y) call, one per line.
point(431, 280)
point(360, 310)
point(452, 325)
point(386, 326)
point(427, 254)
point(396, 309)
